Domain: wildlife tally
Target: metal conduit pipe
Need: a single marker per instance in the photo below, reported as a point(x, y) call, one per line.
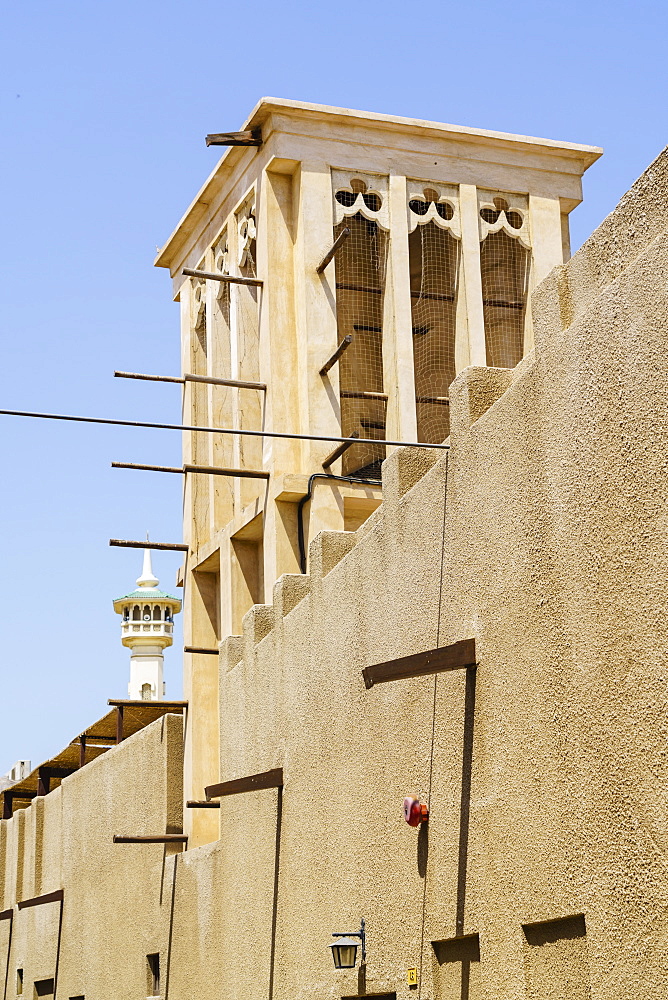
point(309, 493)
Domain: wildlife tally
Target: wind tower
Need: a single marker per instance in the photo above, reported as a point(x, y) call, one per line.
point(147, 628)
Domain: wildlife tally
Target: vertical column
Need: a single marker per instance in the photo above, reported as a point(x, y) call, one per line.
point(547, 248)
point(546, 236)
point(187, 410)
point(316, 331)
point(279, 359)
point(470, 274)
point(398, 372)
point(233, 249)
point(201, 757)
point(220, 400)
point(316, 312)
point(211, 292)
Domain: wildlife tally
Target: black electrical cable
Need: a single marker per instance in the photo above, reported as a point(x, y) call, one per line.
point(309, 494)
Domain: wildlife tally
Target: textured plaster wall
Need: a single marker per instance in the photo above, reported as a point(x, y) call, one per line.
point(543, 535)
point(115, 908)
point(555, 559)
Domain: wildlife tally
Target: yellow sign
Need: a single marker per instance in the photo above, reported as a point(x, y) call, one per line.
point(411, 977)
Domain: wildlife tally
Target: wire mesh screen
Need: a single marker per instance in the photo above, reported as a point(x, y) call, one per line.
point(361, 265)
point(504, 266)
point(434, 260)
point(250, 403)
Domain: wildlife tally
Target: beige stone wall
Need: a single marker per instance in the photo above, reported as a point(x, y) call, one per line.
point(542, 872)
point(555, 559)
point(116, 906)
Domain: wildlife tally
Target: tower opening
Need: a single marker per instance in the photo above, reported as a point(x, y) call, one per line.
point(433, 260)
point(504, 267)
point(361, 265)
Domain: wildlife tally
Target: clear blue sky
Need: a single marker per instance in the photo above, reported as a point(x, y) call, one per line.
point(104, 112)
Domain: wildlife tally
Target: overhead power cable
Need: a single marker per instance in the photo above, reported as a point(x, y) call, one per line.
point(218, 430)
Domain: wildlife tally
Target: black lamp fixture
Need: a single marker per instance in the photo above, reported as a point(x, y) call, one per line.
point(344, 949)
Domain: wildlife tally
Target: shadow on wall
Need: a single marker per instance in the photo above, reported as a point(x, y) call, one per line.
point(556, 962)
point(457, 971)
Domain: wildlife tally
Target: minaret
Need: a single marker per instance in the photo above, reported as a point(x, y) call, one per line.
point(147, 628)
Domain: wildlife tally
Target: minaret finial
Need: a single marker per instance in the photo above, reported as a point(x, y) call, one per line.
point(147, 578)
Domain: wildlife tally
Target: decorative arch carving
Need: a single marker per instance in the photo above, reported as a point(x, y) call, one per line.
point(508, 212)
point(221, 255)
point(360, 193)
point(246, 232)
point(431, 202)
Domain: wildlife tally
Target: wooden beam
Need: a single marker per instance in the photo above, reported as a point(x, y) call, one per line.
point(229, 279)
point(360, 394)
point(254, 782)
point(149, 378)
point(129, 703)
point(201, 804)
point(48, 897)
point(249, 137)
point(206, 379)
point(454, 657)
point(341, 238)
point(210, 470)
point(122, 543)
point(333, 455)
point(152, 838)
point(201, 649)
point(343, 346)
point(46, 773)
point(207, 470)
point(235, 383)
point(6, 914)
point(147, 468)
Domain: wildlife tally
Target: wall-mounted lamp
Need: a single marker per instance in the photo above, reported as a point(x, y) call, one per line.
point(344, 949)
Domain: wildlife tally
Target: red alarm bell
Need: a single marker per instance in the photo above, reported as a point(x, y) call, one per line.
point(415, 812)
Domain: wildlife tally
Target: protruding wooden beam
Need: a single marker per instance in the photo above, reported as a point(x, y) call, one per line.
point(252, 783)
point(157, 838)
point(206, 470)
point(48, 897)
point(202, 804)
point(149, 378)
point(210, 470)
point(167, 546)
point(338, 451)
point(146, 468)
point(249, 137)
point(343, 346)
point(341, 238)
point(456, 656)
point(230, 279)
point(201, 649)
point(140, 703)
point(235, 383)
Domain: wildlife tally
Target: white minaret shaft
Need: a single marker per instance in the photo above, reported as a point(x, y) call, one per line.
point(147, 628)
